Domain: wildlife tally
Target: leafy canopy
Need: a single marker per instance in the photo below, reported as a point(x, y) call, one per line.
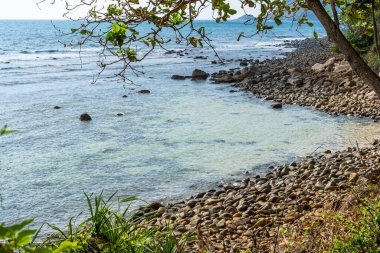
point(119, 26)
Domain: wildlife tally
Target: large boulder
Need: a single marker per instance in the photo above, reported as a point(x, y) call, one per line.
point(327, 66)
point(199, 75)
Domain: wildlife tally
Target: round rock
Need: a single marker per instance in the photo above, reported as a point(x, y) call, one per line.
point(85, 117)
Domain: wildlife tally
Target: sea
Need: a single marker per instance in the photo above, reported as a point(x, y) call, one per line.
point(182, 138)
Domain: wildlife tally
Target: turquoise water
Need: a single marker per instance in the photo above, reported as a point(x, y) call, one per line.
point(182, 138)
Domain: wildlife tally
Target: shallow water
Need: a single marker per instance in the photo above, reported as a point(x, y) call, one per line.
point(178, 140)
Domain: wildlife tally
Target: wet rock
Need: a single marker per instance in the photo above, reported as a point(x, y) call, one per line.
point(85, 117)
point(57, 107)
point(178, 77)
point(276, 106)
point(144, 91)
point(199, 75)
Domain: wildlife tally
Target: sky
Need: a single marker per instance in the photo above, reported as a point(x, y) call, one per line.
point(28, 9)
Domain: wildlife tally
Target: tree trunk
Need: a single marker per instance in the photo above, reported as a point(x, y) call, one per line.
point(375, 36)
point(353, 57)
point(335, 13)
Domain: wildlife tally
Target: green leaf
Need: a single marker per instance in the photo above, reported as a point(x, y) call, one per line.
point(193, 41)
point(315, 34)
point(4, 130)
point(65, 245)
point(277, 20)
point(24, 237)
point(42, 250)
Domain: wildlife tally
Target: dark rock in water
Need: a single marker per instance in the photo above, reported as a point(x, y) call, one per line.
point(120, 114)
point(214, 62)
point(170, 52)
point(178, 77)
point(276, 106)
point(199, 75)
point(269, 98)
point(232, 91)
point(200, 57)
point(124, 96)
point(154, 206)
point(243, 63)
point(57, 107)
point(85, 117)
point(144, 91)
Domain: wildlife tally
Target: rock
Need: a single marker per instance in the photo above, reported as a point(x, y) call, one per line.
point(154, 206)
point(124, 96)
point(178, 77)
point(353, 178)
point(144, 91)
point(119, 114)
point(221, 224)
point(85, 117)
point(57, 107)
point(298, 82)
point(243, 63)
point(318, 67)
point(199, 75)
point(261, 222)
point(200, 57)
point(276, 106)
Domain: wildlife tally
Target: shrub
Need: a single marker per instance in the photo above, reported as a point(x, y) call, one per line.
point(350, 225)
point(373, 60)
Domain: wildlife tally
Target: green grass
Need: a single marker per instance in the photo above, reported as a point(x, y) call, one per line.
point(106, 229)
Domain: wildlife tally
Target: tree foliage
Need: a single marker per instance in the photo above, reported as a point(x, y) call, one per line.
point(128, 30)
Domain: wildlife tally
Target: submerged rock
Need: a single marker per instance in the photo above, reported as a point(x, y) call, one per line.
point(85, 117)
point(57, 107)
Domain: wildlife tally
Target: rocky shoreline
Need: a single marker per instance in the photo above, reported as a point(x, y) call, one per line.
point(247, 215)
point(312, 76)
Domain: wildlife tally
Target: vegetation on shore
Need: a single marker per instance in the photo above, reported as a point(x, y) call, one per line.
point(347, 226)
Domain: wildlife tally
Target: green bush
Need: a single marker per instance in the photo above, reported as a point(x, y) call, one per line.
point(360, 41)
point(373, 60)
point(361, 235)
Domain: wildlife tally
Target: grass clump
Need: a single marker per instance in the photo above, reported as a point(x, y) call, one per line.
point(106, 229)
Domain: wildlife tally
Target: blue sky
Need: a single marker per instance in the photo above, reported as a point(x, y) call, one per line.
point(27, 9)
